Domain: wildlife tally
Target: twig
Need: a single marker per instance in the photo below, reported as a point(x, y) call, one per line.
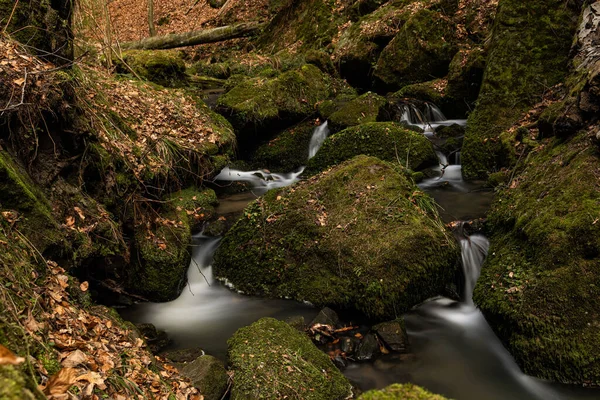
point(22, 95)
point(11, 15)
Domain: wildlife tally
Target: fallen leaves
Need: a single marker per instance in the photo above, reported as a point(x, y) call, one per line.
point(7, 357)
point(60, 383)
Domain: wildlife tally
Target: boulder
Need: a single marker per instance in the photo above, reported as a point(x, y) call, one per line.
point(540, 285)
point(272, 360)
point(422, 49)
point(164, 67)
point(156, 339)
point(393, 334)
point(183, 355)
point(388, 141)
point(360, 110)
point(327, 317)
point(400, 392)
point(208, 375)
point(360, 236)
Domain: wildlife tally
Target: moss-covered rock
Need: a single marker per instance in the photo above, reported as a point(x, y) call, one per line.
point(540, 285)
point(164, 67)
point(12, 384)
point(287, 151)
point(400, 392)
point(465, 76)
point(272, 360)
point(162, 238)
point(528, 53)
point(358, 111)
point(360, 236)
point(208, 375)
point(422, 49)
point(388, 141)
point(257, 105)
point(430, 91)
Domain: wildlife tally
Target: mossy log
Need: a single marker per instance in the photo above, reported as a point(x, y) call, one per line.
point(193, 38)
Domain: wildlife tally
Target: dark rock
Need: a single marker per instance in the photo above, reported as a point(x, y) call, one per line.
point(327, 317)
point(297, 323)
point(208, 374)
point(451, 131)
point(393, 334)
point(155, 339)
point(348, 345)
point(367, 348)
point(183, 355)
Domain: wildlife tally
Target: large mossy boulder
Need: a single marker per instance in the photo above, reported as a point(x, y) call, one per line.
point(358, 111)
point(163, 67)
point(12, 384)
point(422, 49)
point(286, 152)
point(360, 236)
point(272, 360)
point(256, 106)
point(400, 392)
point(208, 375)
point(387, 141)
point(528, 54)
point(162, 240)
point(540, 285)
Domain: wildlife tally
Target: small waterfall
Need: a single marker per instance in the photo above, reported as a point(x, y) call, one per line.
point(474, 250)
point(457, 159)
point(261, 180)
point(316, 141)
point(433, 113)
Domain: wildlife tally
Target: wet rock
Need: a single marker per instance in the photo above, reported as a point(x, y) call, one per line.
point(183, 355)
point(164, 67)
point(285, 362)
point(156, 339)
point(451, 131)
point(400, 392)
point(348, 345)
point(297, 323)
point(361, 110)
point(327, 317)
point(208, 374)
point(368, 348)
point(288, 243)
point(393, 335)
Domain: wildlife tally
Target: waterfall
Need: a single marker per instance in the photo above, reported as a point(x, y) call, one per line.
point(317, 139)
point(474, 250)
point(261, 180)
point(433, 113)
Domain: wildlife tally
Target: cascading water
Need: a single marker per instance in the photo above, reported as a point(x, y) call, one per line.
point(429, 117)
point(474, 250)
point(317, 139)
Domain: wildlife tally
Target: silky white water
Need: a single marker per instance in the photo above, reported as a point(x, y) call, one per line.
point(317, 139)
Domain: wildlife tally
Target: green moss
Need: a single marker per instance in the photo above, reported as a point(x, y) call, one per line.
point(255, 105)
point(400, 392)
point(12, 384)
point(361, 110)
point(272, 360)
point(360, 236)
point(424, 91)
point(208, 375)
point(421, 50)
point(385, 140)
point(193, 205)
point(163, 67)
point(287, 151)
point(539, 287)
point(528, 54)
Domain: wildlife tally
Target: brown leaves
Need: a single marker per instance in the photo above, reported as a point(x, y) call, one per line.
point(60, 383)
point(7, 357)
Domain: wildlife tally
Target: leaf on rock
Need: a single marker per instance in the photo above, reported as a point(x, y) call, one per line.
point(7, 357)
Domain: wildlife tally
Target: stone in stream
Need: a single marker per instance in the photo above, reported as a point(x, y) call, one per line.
point(155, 339)
point(272, 360)
point(393, 334)
point(368, 347)
point(326, 317)
point(208, 375)
point(360, 236)
point(400, 392)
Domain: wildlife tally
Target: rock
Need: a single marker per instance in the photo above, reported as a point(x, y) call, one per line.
point(516, 76)
point(430, 91)
point(358, 111)
point(451, 131)
point(208, 374)
point(156, 339)
point(388, 141)
point(543, 261)
point(400, 392)
point(183, 355)
point(289, 242)
point(272, 360)
point(327, 317)
point(348, 345)
point(465, 76)
point(393, 334)
point(164, 67)
point(367, 348)
point(422, 49)
point(297, 323)
point(256, 106)
point(12, 384)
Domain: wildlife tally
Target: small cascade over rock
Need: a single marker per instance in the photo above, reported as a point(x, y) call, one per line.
point(318, 137)
point(474, 249)
point(422, 114)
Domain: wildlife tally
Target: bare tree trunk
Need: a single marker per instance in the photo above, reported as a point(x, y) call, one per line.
point(193, 38)
point(151, 26)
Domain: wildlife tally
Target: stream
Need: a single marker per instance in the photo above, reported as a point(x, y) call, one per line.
point(454, 352)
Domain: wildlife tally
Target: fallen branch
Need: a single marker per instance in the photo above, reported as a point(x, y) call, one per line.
point(195, 37)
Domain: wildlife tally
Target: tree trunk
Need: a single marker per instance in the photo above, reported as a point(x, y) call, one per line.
point(151, 26)
point(193, 38)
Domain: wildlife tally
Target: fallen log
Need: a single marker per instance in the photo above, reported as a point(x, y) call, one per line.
point(195, 37)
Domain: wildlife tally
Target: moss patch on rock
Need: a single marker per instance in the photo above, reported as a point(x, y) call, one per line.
point(528, 54)
point(422, 49)
point(540, 286)
point(386, 140)
point(164, 67)
point(360, 236)
point(208, 375)
point(12, 385)
point(272, 360)
point(358, 111)
point(400, 392)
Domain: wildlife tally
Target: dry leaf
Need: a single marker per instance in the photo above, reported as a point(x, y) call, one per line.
point(70, 222)
point(7, 357)
point(80, 213)
point(19, 81)
point(84, 286)
point(61, 382)
point(93, 377)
